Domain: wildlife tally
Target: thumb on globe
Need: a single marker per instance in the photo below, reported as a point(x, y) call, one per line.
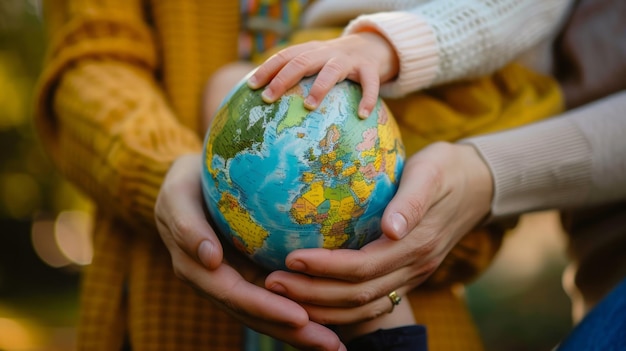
point(209, 255)
point(419, 189)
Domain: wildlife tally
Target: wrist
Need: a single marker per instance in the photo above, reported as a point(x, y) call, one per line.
point(384, 54)
point(414, 43)
point(479, 178)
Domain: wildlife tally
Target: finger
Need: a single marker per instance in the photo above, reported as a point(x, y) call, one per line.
point(377, 258)
point(257, 308)
point(225, 286)
point(268, 69)
point(420, 188)
point(179, 213)
point(312, 290)
point(339, 316)
point(291, 73)
point(306, 289)
point(312, 336)
point(370, 84)
point(331, 73)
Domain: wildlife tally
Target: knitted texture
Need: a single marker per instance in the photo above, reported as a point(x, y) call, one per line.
point(415, 43)
point(476, 37)
point(567, 162)
point(118, 102)
point(468, 39)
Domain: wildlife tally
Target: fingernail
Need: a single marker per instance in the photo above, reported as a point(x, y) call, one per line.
point(297, 266)
point(278, 288)
point(267, 95)
point(205, 251)
point(310, 103)
point(364, 113)
point(253, 83)
point(398, 223)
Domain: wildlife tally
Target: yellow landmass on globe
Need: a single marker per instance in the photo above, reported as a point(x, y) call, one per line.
point(361, 188)
point(390, 165)
point(315, 195)
point(334, 235)
point(333, 226)
point(369, 153)
point(209, 159)
point(342, 207)
point(346, 208)
point(388, 132)
point(307, 177)
point(303, 211)
point(348, 171)
point(241, 223)
point(328, 157)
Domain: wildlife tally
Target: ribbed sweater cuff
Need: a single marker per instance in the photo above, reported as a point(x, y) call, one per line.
point(543, 167)
point(415, 44)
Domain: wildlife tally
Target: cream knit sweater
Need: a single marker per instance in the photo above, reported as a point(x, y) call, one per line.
point(439, 41)
point(575, 160)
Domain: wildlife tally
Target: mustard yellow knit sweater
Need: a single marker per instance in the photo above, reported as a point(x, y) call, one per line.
point(119, 101)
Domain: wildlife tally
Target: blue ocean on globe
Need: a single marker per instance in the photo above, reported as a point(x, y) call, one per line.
point(277, 177)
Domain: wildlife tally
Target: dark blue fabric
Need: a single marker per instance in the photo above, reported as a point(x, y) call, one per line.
point(409, 338)
point(603, 328)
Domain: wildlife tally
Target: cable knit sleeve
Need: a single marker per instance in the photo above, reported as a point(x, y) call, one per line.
point(101, 115)
point(447, 40)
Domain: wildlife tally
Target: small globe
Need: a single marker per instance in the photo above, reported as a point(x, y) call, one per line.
point(277, 177)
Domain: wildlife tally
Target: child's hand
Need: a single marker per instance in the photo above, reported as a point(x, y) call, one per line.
point(366, 58)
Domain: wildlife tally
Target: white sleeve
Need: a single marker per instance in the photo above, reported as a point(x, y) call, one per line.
point(447, 40)
point(570, 161)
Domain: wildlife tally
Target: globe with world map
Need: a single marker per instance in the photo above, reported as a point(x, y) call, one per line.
point(278, 177)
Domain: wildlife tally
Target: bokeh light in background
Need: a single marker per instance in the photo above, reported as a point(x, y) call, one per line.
point(20, 194)
point(45, 247)
point(65, 241)
point(45, 224)
point(18, 335)
point(72, 233)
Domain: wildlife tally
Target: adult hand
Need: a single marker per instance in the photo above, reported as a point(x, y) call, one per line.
point(224, 277)
point(366, 58)
point(445, 191)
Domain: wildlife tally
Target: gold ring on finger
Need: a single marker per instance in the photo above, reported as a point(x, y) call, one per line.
point(395, 300)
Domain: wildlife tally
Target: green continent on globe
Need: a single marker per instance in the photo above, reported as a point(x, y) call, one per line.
point(278, 177)
point(228, 138)
point(295, 115)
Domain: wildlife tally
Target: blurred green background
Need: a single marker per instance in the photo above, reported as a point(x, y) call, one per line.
point(45, 223)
